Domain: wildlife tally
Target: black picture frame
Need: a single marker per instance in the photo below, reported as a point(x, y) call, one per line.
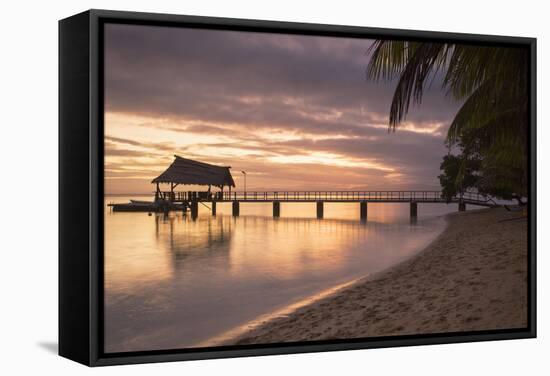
point(81, 188)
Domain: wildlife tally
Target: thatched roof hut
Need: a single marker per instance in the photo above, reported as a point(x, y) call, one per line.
point(187, 171)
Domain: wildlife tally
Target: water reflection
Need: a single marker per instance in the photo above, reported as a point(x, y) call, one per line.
point(186, 240)
point(173, 282)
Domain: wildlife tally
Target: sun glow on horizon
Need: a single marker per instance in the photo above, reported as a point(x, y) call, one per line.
point(139, 147)
point(329, 159)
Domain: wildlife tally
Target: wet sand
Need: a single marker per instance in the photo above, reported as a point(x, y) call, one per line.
point(472, 277)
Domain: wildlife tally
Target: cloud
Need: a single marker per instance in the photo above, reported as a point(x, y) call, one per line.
point(209, 74)
point(112, 142)
point(255, 99)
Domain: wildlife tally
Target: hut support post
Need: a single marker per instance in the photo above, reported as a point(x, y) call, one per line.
point(172, 195)
point(194, 209)
point(214, 208)
point(236, 208)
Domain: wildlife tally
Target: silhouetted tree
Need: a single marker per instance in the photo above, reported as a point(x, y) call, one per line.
point(458, 175)
point(490, 82)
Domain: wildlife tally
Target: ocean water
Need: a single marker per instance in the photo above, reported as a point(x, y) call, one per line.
point(172, 282)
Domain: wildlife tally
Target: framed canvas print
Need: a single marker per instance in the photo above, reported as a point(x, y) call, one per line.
point(239, 187)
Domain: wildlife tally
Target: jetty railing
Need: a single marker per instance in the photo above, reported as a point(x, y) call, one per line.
point(350, 196)
point(327, 196)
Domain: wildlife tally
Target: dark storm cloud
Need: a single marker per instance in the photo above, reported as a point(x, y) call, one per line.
point(193, 73)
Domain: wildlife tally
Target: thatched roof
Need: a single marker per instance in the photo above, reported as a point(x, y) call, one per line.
point(187, 171)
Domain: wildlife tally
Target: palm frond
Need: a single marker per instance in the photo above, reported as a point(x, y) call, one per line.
point(492, 84)
point(413, 62)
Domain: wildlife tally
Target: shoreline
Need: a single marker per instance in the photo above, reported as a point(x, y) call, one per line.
point(472, 276)
point(233, 334)
point(229, 336)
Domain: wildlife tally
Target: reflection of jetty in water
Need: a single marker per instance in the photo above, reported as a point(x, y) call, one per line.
point(206, 237)
point(193, 239)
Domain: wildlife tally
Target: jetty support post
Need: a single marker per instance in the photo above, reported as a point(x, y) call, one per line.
point(276, 209)
point(214, 208)
point(236, 208)
point(363, 210)
point(320, 209)
point(194, 209)
point(414, 210)
point(461, 206)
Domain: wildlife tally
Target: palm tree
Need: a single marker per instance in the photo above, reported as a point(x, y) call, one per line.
point(490, 82)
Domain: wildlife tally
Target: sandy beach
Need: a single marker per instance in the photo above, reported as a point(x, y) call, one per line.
point(472, 277)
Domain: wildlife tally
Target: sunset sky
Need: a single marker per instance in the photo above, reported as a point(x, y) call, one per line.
point(294, 112)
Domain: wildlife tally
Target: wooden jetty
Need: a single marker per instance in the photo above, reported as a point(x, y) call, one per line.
point(363, 198)
point(185, 171)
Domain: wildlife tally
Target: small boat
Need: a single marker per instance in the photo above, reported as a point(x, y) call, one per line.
point(138, 202)
point(147, 206)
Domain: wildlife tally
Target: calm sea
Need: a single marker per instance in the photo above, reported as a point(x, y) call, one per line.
point(171, 282)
